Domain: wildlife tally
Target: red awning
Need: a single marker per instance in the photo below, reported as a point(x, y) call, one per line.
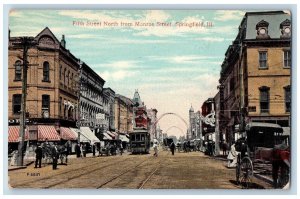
point(67, 134)
point(13, 134)
point(47, 132)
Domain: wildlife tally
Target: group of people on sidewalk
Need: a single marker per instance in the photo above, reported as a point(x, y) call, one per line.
point(53, 151)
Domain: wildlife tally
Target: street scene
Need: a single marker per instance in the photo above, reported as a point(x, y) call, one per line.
point(139, 172)
point(149, 99)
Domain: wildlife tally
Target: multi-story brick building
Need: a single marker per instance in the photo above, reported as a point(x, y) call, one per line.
point(123, 114)
point(255, 75)
point(52, 90)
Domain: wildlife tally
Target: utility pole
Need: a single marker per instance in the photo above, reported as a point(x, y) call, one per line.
point(26, 43)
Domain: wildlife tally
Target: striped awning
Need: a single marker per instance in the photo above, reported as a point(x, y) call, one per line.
point(67, 134)
point(47, 132)
point(13, 134)
point(106, 137)
point(86, 132)
point(111, 134)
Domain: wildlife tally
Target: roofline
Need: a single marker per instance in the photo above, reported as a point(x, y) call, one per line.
point(276, 12)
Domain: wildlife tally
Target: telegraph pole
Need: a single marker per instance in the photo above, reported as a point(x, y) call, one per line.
point(25, 43)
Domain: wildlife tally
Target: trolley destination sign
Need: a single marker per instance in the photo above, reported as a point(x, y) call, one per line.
point(149, 99)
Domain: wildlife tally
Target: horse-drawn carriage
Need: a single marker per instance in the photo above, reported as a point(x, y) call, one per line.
point(262, 143)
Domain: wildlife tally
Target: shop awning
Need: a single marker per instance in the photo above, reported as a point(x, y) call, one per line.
point(67, 134)
point(111, 135)
point(47, 132)
point(13, 134)
point(86, 131)
point(106, 137)
point(82, 137)
point(123, 138)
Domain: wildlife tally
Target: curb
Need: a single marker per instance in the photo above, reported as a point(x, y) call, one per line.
point(263, 178)
point(21, 167)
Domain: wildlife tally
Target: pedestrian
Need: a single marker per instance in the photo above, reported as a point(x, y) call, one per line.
point(232, 156)
point(224, 146)
point(38, 156)
point(121, 148)
point(155, 147)
point(55, 156)
point(84, 150)
point(77, 150)
point(94, 149)
point(172, 147)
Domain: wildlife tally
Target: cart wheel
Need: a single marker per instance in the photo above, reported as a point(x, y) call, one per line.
point(283, 175)
point(238, 169)
point(246, 172)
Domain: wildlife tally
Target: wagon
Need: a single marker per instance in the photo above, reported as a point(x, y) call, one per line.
point(262, 142)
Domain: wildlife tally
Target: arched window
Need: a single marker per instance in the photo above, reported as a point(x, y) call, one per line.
point(65, 76)
point(60, 72)
point(46, 71)
point(18, 70)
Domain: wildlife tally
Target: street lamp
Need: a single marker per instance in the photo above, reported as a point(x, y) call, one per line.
point(80, 63)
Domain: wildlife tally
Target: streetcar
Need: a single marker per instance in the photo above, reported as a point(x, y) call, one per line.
point(139, 141)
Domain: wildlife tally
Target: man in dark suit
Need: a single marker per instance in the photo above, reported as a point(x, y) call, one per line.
point(172, 147)
point(38, 156)
point(54, 156)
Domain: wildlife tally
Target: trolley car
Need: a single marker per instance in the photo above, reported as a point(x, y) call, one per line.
point(263, 143)
point(140, 141)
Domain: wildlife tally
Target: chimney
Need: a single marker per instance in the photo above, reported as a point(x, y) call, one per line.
point(63, 41)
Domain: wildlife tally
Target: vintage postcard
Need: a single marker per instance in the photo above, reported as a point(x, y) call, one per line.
point(149, 99)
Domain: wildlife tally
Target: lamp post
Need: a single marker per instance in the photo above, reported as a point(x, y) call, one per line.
point(80, 63)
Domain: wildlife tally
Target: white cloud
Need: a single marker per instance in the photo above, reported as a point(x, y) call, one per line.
point(210, 39)
point(123, 64)
point(117, 75)
point(226, 15)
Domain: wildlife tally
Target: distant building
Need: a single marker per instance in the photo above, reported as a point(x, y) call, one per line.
point(109, 108)
point(152, 114)
point(123, 114)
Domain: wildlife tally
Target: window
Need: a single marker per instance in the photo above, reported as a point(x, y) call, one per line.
point(16, 103)
point(287, 59)
point(65, 76)
point(287, 98)
point(46, 71)
point(45, 102)
point(18, 70)
point(263, 60)
point(59, 106)
point(231, 84)
point(69, 76)
point(264, 99)
point(71, 80)
point(60, 71)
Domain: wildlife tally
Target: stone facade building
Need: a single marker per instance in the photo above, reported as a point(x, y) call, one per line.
point(109, 107)
point(255, 75)
point(91, 100)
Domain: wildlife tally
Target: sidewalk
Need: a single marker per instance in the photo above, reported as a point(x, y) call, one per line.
point(11, 168)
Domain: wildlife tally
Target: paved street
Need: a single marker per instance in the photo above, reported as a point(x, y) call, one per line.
point(182, 171)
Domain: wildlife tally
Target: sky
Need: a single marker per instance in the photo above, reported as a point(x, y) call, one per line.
point(172, 62)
